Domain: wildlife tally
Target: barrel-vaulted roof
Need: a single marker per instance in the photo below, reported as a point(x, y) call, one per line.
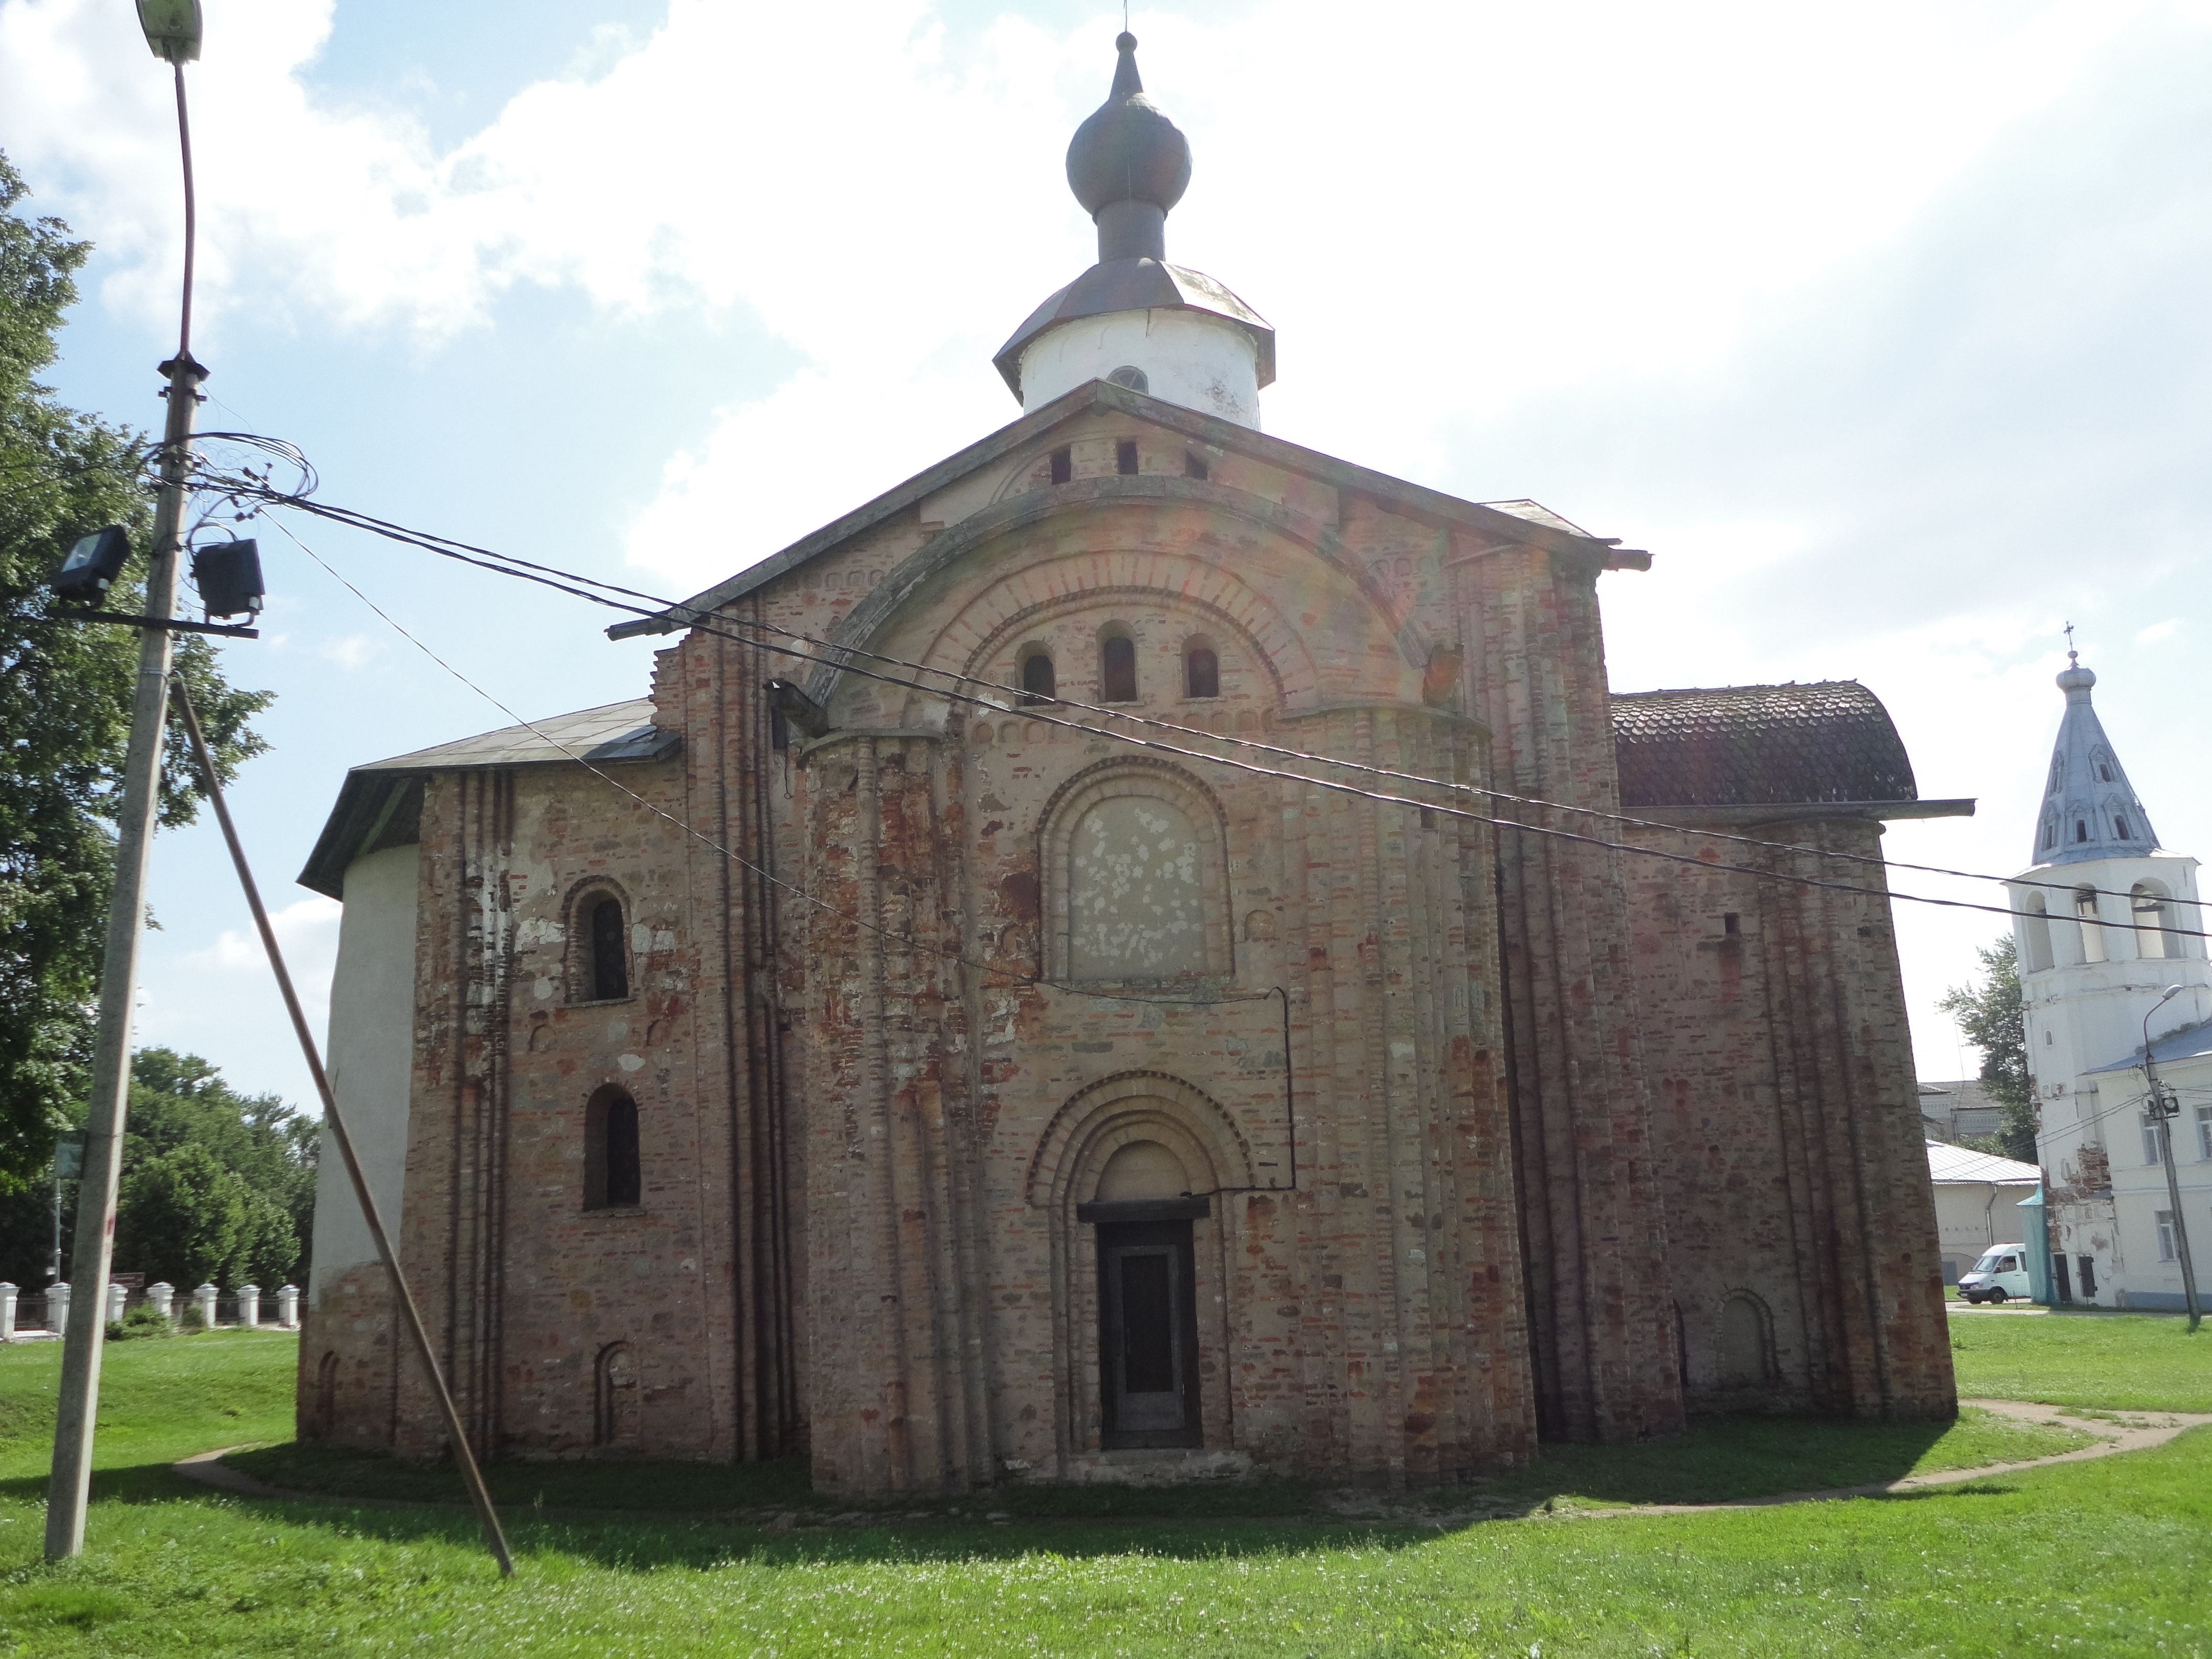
point(1748, 745)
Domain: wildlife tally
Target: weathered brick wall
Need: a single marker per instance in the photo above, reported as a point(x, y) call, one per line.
point(1593, 1206)
point(870, 1106)
point(1788, 1124)
point(1369, 1323)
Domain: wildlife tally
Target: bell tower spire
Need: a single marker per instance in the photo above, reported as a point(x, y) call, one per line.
point(2090, 809)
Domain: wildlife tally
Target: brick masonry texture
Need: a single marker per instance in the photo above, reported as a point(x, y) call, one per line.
point(1562, 1136)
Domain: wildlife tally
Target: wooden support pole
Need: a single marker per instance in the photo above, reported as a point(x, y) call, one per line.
point(494, 1537)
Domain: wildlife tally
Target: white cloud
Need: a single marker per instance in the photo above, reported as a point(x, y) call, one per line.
point(1444, 208)
point(221, 999)
point(354, 652)
point(1672, 255)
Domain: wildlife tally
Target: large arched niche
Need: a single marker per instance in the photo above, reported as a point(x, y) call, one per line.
point(1120, 1117)
point(1192, 903)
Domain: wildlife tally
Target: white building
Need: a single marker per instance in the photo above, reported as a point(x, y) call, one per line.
point(2107, 927)
point(1978, 1198)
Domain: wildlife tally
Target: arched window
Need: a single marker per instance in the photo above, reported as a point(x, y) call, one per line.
point(2151, 908)
point(2035, 929)
point(1117, 669)
point(2050, 836)
point(2081, 829)
point(615, 1396)
point(2092, 932)
point(612, 1177)
point(1201, 672)
point(1038, 684)
point(607, 978)
point(1747, 1354)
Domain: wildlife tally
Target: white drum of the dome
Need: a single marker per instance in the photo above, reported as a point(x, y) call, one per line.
point(1193, 358)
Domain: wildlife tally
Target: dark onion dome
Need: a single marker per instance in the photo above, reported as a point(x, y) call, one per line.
point(1128, 150)
point(1128, 164)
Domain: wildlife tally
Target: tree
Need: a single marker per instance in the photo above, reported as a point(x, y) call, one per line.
point(65, 691)
point(182, 1217)
point(1990, 1014)
point(216, 1185)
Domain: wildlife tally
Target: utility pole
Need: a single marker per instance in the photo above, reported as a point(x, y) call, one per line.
point(172, 30)
point(2164, 1109)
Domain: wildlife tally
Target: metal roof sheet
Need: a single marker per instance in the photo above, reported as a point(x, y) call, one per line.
point(2190, 1043)
point(1950, 1164)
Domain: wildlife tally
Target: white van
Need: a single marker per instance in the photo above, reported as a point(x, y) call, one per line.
point(2002, 1272)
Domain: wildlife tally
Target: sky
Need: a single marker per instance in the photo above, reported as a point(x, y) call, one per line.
point(1883, 328)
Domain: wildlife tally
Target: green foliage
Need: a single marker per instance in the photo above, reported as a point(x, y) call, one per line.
point(180, 1101)
point(141, 1321)
point(190, 1318)
point(65, 692)
point(182, 1210)
point(217, 1187)
point(1990, 1014)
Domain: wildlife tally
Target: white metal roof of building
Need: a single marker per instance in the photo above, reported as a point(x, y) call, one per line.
point(1947, 1162)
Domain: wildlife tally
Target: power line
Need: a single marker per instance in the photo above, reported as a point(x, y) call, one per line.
point(902, 938)
point(567, 581)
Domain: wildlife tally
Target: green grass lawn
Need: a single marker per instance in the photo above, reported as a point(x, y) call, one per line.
point(2106, 1557)
point(2127, 1362)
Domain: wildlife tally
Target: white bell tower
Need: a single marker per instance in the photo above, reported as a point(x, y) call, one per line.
point(2108, 912)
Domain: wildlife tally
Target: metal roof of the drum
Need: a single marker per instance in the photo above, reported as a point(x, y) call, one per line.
point(1746, 746)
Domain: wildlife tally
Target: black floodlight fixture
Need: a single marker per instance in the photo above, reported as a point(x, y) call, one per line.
point(173, 29)
point(228, 576)
point(93, 565)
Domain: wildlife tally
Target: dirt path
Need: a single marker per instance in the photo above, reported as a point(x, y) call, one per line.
point(2116, 1433)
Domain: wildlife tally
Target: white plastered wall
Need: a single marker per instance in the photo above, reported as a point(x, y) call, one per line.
point(370, 1052)
point(1193, 358)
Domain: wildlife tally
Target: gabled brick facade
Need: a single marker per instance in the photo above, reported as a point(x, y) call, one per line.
point(1542, 1156)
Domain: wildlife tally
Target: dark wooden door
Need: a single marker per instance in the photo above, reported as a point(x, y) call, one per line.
point(1148, 1334)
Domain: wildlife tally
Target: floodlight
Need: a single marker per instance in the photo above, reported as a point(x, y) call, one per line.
point(228, 576)
point(94, 563)
point(173, 29)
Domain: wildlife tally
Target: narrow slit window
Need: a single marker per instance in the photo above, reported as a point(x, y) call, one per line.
point(1038, 684)
point(1117, 669)
point(609, 952)
point(1063, 465)
point(2104, 772)
point(2081, 829)
point(1194, 466)
point(1125, 457)
point(612, 1171)
point(1201, 672)
point(1731, 922)
point(2120, 827)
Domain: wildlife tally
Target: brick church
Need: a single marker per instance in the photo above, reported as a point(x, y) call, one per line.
point(1155, 992)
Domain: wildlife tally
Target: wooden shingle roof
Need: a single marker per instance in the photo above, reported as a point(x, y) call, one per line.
point(1745, 745)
